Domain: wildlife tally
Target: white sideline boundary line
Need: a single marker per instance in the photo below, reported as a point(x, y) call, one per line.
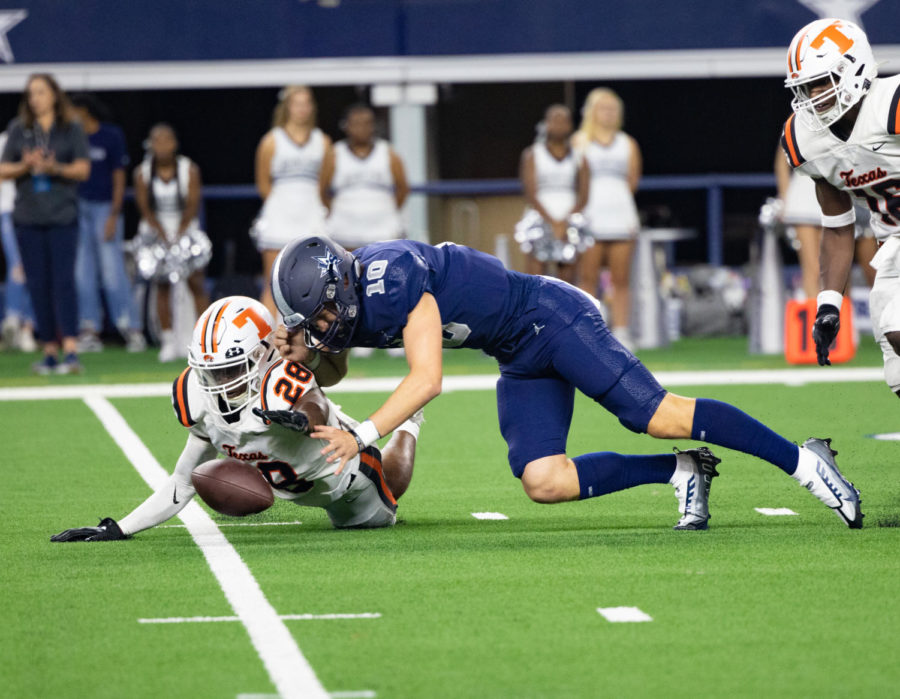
point(480, 382)
point(285, 617)
point(288, 669)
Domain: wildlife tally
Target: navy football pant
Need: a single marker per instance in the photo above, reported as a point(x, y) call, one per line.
point(48, 256)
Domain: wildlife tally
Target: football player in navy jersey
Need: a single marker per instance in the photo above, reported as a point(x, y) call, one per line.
point(549, 339)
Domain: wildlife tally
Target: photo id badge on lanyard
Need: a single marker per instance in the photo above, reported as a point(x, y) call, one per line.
point(41, 183)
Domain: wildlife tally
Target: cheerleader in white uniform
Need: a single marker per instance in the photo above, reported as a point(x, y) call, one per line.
point(555, 182)
point(802, 212)
point(614, 161)
point(288, 166)
point(167, 190)
point(363, 184)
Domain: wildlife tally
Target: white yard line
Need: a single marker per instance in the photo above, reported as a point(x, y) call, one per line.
point(482, 382)
point(489, 515)
point(285, 617)
point(287, 667)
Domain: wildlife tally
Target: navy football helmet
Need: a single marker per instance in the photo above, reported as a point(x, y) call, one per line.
point(315, 279)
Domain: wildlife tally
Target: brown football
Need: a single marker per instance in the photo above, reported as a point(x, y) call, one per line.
point(232, 487)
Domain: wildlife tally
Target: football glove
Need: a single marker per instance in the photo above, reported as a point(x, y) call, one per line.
point(825, 329)
point(290, 419)
point(107, 530)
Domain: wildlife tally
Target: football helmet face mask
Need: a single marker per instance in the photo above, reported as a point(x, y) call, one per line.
point(830, 67)
point(228, 342)
point(315, 283)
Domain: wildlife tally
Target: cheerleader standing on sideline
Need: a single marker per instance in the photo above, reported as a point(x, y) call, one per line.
point(167, 191)
point(614, 161)
point(288, 163)
point(363, 184)
point(555, 182)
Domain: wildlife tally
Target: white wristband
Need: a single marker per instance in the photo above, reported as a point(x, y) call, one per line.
point(829, 298)
point(844, 219)
point(366, 433)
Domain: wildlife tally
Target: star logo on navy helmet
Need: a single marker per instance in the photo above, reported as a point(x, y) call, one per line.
point(328, 263)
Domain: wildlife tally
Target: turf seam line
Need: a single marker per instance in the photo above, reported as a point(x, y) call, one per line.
point(288, 669)
point(479, 382)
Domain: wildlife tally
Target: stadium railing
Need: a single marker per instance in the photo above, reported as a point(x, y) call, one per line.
point(714, 183)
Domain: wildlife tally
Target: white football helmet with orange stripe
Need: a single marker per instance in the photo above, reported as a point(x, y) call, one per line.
point(834, 51)
point(228, 343)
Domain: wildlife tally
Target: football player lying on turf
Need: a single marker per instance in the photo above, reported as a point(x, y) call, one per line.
point(550, 339)
point(234, 385)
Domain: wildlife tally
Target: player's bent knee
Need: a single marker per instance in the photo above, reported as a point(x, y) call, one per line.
point(551, 479)
point(673, 419)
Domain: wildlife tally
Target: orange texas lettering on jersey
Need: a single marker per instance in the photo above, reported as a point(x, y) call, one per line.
point(865, 178)
point(252, 456)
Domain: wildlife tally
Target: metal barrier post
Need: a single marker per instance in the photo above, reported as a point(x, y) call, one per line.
point(714, 224)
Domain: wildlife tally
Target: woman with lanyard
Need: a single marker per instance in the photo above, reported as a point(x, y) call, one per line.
point(614, 160)
point(47, 155)
point(555, 182)
point(167, 193)
point(288, 163)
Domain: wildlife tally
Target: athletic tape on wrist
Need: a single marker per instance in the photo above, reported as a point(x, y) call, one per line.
point(366, 434)
point(829, 297)
point(844, 219)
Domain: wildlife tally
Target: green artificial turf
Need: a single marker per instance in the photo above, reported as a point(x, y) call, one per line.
point(775, 606)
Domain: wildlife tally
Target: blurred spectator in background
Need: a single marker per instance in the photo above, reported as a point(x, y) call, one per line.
point(801, 211)
point(101, 233)
point(363, 184)
point(17, 329)
point(614, 160)
point(288, 163)
point(555, 181)
point(47, 154)
point(167, 190)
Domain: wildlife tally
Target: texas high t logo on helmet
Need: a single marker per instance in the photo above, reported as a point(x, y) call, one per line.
point(228, 343)
point(830, 66)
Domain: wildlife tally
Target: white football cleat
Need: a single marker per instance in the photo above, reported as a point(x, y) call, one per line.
point(819, 474)
point(694, 471)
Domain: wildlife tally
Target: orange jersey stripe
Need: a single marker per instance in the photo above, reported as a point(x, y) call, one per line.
point(375, 465)
point(265, 385)
point(894, 114)
point(184, 417)
point(789, 140)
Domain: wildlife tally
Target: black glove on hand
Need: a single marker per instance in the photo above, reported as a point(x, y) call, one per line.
point(286, 418)
point(828, 322)
point(107, 530)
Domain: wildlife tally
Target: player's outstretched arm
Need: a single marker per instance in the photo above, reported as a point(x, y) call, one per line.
point(422, 340)
point(166, 502)
point(835, 262)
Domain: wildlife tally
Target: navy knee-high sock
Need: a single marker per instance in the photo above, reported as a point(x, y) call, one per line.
point(723, 424)
point(603, 472)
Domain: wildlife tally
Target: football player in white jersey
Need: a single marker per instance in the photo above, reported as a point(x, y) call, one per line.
point(239, 398)
point(845, 134)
